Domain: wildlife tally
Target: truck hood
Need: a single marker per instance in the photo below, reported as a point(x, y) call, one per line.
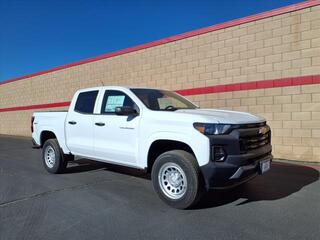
point(223, 116)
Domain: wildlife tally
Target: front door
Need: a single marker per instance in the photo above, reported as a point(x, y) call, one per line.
point(115, 137)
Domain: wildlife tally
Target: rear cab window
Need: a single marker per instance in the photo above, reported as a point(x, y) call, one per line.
point(86, 101)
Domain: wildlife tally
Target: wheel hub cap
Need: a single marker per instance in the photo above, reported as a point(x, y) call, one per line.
point(175, 179)
point(172, 180)
point(50, 156)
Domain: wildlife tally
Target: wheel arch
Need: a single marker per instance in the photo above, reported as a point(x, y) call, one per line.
point(46, 135)
point(51, 133)
point(197, 144)
point(160, 146)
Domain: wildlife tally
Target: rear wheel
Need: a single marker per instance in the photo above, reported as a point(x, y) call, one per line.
point(53, 158)
point(177, 180)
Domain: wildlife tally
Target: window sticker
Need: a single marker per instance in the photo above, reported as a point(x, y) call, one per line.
point(164, 102)
point(113, 102)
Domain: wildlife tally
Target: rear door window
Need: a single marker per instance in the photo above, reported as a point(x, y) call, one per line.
point(86, 101)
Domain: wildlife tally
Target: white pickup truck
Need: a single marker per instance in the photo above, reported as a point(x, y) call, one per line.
point(188, 150)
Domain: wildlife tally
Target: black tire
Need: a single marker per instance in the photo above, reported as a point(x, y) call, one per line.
point(60, 163)
point(194, 187)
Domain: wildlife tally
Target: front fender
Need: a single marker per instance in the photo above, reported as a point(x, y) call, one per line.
point(197, 142)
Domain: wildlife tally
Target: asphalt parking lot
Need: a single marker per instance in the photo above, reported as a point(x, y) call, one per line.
point(100, 201)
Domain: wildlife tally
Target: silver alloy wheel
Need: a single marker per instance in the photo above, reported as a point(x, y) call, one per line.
point(50, 156)
point(172, 180)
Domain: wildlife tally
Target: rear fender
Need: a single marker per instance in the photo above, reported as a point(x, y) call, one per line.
point(59, 136)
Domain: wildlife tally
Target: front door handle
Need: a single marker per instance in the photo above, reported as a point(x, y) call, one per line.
point(72, 122)
point(100, 124)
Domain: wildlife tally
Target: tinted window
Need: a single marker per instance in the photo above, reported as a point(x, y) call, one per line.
point(85, 102)
point(113, 99)
point(162, 100)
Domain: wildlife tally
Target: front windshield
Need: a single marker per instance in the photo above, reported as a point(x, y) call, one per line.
point(162, 100)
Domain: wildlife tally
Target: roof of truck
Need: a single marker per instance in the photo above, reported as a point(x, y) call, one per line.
point(115, 87)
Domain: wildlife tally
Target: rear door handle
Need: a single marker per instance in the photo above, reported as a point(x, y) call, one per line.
point(100, 124)
point(72, 122)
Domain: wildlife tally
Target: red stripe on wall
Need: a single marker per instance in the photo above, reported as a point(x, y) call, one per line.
point(38, 106)
point(285, 82)
point(275, 12)
point(265, 84)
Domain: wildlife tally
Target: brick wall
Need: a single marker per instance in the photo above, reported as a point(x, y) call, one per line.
point(281, 46)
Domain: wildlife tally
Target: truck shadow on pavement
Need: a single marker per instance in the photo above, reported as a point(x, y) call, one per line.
point(281, 181)
point(85, 165)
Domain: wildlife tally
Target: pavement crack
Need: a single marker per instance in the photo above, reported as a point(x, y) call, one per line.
point(39, 195)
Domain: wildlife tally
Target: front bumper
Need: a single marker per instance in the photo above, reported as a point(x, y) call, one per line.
point(239, 165)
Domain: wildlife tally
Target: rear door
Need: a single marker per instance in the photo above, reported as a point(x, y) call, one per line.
point(116, 137)
point(79, 124)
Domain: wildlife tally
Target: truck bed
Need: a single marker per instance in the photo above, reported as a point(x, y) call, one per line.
point(54, 121)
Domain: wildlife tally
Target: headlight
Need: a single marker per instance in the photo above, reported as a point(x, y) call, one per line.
point(212, 129)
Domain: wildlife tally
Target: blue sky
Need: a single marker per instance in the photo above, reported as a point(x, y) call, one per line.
point(36, 35)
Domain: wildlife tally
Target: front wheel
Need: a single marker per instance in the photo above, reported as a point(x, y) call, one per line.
point(177, 179)
point(52, 157)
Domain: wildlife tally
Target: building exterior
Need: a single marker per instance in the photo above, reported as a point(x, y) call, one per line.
point(268, 64)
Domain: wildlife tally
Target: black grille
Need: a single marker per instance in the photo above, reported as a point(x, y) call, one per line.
point(251, 125)
point(254, 140)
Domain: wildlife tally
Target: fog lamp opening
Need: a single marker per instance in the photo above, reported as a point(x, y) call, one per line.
point(219, 154)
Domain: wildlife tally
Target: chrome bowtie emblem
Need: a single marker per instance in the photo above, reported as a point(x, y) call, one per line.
point(263, 130)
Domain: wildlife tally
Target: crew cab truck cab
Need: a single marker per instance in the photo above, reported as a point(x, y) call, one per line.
point(188, 150)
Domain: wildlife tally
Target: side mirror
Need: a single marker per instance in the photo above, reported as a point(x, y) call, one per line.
point(125, 111)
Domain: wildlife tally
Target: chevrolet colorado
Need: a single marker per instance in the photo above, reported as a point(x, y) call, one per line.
point(186, 149)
